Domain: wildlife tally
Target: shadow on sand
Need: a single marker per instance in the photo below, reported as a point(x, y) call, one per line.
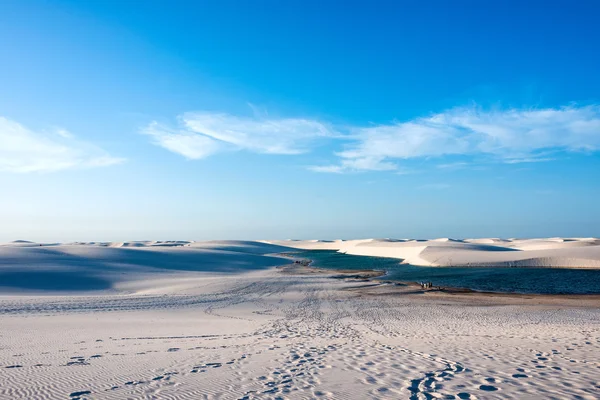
point(87, 268)
point(52, 280)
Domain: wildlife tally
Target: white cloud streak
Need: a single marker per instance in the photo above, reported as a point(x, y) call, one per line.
point(510, 136)
point(23, 150)
point(434, 186)
point(201, 134)
point(507, 136)
point(453, 166)
point(188, 144)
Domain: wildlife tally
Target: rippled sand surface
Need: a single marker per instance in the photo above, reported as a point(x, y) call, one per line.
point(268, 333)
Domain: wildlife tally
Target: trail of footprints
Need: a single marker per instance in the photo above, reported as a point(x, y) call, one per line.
point(163, 378)
point(304, 364)
point(299, 372)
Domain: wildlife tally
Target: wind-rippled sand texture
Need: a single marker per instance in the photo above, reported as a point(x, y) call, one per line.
point(263, 334)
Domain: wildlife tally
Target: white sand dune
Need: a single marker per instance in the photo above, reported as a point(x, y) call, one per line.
point(117, 267)
point(214, 320)
point(492, 252)
point(26, 243)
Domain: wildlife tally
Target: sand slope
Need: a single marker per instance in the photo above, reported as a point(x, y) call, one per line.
point(552, 252)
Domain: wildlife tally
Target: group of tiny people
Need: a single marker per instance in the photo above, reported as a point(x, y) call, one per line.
point(426, 285)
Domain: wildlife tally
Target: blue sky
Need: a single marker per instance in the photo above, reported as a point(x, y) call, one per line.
point(298, 119)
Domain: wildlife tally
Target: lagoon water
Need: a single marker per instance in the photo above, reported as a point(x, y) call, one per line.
point(516, 280)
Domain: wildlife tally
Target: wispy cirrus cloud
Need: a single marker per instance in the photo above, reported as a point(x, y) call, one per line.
point(435, 186)
point(523, 160)
point(509, 136)
point(201, 134)
point(453, 165)
point(186, 143)
point(23, 150)
point(499, 136)
point(356, 164)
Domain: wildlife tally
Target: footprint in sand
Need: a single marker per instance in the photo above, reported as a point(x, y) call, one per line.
point(492, 380)
point(488, 388)
point(134, 383)
point(520, 376)
point(77, 395)
point(80, 361)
